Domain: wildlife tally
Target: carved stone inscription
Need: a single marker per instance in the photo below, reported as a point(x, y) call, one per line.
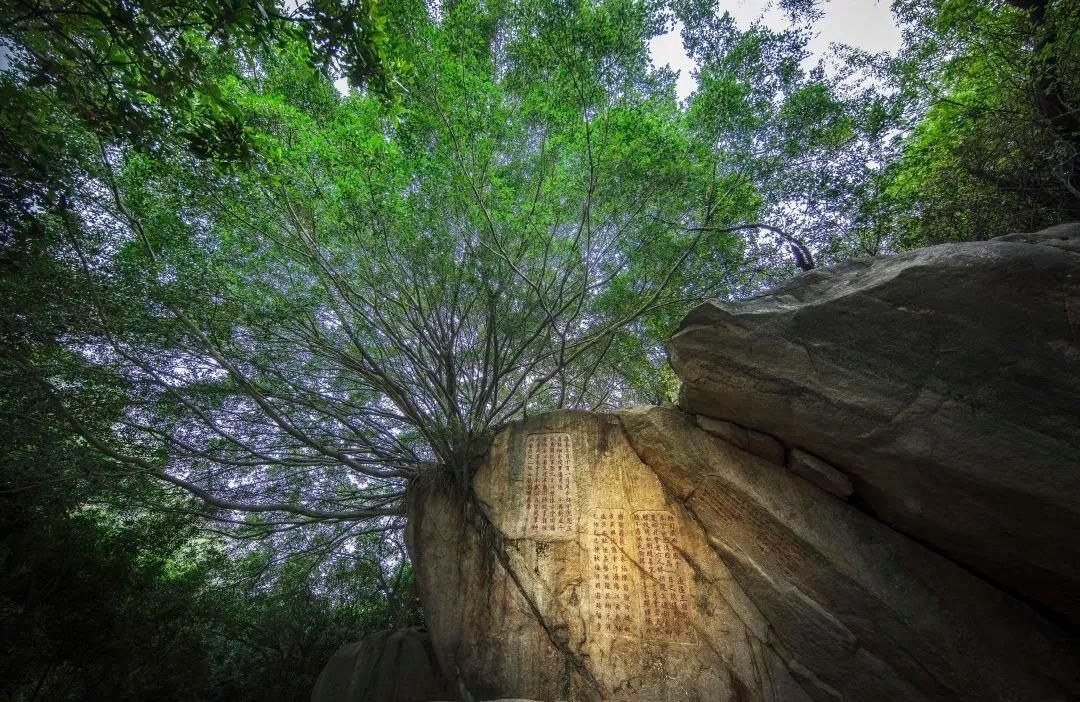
point(609, 573)
point(664, 601)
point(786, 553)
point(549, 465)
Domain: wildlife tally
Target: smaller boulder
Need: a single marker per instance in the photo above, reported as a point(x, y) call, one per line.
point(388, 666)
point(1064, 236)
point(820, 473)
point(761, 445)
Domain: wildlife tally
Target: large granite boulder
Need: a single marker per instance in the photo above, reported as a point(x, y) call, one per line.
point(945, 383)
point(389, 666)
point(636, 556)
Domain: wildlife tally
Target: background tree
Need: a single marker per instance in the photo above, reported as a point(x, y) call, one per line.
point(116, 588)
point(387, 285)
point(991, 97)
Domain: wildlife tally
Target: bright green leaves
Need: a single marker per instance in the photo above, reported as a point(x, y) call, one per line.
point(152, 73)
point(581, 56)
point(994, 148)
point(816, 118)
point(722, 105)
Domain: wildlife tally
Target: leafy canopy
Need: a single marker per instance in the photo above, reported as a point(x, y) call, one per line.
point(291, 302)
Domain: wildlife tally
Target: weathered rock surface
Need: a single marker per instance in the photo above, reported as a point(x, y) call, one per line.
point(390, 666)
point(945, 383)
point(748, 440)
point(820, 473)
point(487, 632)
point(1063, 236)
point(638, 557)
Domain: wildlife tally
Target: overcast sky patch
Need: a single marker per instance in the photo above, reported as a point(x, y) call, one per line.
point(864, 24)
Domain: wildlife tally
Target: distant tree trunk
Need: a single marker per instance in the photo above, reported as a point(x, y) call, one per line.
point(1051, 102)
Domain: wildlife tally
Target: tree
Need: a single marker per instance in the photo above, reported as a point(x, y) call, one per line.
point(142, 71)
point(117, 588)
point(991, 95)
point(387, 285)
point(812, 139)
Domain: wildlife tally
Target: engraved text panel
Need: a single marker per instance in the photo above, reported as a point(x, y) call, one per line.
point(609, 574)
point(549, 467)
point(664, 602)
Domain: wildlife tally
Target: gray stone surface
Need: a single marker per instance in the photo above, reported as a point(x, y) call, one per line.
point(1063, 236)
point(944, 382)
point(860, 611)
point(486, 632)
point(748, 440)
point(389, 666)
point(820, 473)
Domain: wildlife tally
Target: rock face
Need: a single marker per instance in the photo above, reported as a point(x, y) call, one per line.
point(945, 383)
point(638, 557)
point(748, 440)
point(390, 666)
point(488, 636)
point(819, 473)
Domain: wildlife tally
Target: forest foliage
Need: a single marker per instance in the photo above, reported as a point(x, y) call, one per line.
point(244, 309)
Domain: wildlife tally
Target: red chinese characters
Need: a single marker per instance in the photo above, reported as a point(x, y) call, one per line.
point(549, 467)
point(664, 602)
point(609, 573)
